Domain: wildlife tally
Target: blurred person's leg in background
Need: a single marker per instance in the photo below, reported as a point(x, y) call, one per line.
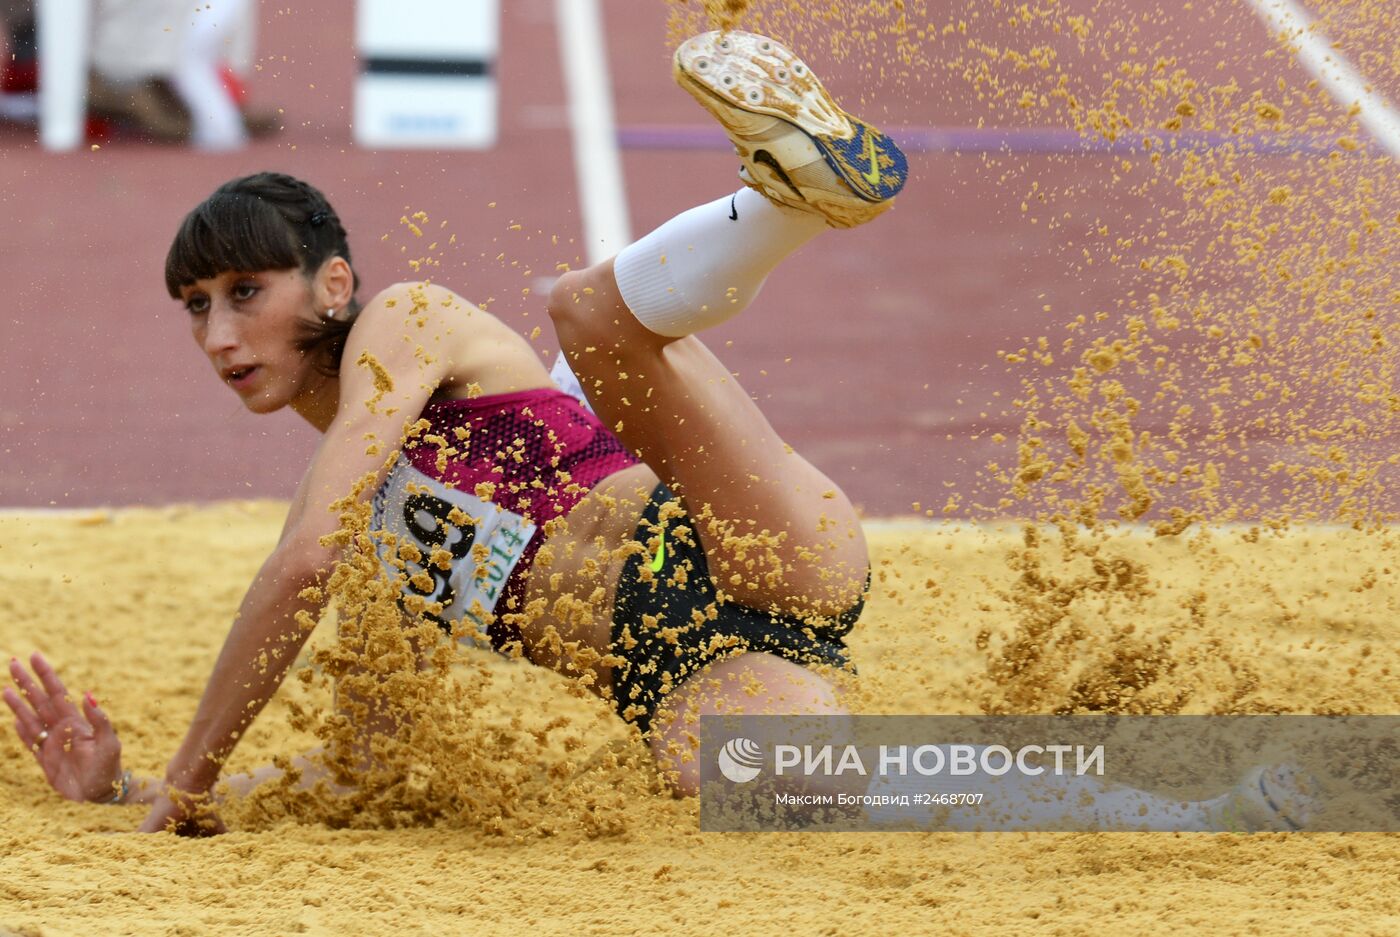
point(173, 69)
point(135, 49)
point(216, 122)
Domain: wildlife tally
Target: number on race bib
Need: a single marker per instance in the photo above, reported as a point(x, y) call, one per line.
point(427, 519)
point(411, 508)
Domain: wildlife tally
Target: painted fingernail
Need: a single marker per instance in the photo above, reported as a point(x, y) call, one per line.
point(91, 700)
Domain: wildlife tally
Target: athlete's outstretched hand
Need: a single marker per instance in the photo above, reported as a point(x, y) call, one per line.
point(77, 748)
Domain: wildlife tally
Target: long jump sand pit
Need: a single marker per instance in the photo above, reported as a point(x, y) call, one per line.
point(559, 825)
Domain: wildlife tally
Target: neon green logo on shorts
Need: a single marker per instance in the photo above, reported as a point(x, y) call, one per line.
point(660, 559)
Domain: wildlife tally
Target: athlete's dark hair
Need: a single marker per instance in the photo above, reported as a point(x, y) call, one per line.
point(268, 221)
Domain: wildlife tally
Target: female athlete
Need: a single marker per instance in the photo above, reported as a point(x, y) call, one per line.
point(506, 493)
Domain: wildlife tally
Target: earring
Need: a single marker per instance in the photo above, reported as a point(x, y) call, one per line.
point(330, 313)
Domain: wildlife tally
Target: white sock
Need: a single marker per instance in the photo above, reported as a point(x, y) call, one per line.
point(1014, 801)
point(704, 266)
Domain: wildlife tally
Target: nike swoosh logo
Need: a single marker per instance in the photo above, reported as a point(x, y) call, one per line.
point(872, 175)
point(733, 207)
point(660, 559)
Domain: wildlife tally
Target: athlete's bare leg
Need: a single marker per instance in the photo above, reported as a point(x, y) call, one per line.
point(753, 684)
point(776, 532)
point(674, 404)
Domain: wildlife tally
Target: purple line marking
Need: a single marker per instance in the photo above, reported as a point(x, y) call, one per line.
point(1029, 140)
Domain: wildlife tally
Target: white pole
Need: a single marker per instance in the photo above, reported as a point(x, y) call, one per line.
point(64, 27)
point(597, 162)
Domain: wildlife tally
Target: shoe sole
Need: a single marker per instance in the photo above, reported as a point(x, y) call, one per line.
point(864, 158)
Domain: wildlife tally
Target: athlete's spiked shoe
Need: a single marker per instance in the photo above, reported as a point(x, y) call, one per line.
point(798, 148)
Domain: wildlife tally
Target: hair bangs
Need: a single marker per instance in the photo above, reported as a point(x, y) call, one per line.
point(230, 231)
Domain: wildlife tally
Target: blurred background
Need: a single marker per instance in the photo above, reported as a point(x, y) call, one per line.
point(881, 353)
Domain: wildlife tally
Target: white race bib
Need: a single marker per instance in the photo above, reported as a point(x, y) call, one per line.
point(484, 546)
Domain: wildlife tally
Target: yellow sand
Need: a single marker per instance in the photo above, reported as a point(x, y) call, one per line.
point(133, 605)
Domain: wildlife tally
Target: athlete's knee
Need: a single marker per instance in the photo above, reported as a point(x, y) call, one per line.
point(563, 297)
point(829, 585)
point(575, 298)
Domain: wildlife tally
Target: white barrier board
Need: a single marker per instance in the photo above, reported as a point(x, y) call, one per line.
point(427, 73)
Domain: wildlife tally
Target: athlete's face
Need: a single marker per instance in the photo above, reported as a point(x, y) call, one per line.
point(248, 325)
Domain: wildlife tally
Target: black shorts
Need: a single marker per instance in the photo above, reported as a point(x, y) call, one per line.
point(667, 626)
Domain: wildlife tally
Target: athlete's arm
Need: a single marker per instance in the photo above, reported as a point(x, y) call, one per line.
point(377, 402)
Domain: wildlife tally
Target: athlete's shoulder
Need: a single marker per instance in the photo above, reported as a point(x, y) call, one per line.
point(417, 314)
point(418, 303)
point(409, 329)
point(418, 328)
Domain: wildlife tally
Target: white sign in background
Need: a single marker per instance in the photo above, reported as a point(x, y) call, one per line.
point(429, 102)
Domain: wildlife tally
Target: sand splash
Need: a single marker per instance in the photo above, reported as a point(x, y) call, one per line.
point(1246, 370)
